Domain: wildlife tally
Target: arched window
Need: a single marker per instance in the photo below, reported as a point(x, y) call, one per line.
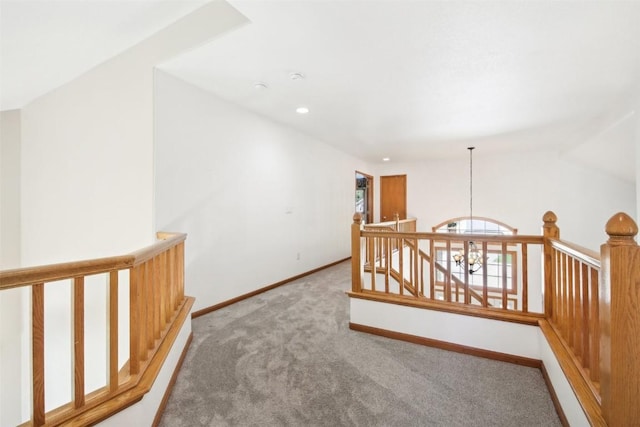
point(478, 225)
point(497, 261)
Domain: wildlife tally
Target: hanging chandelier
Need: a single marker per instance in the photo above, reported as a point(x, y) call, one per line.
point(473, 258)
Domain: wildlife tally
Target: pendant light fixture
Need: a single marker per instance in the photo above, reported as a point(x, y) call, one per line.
point(473, 254)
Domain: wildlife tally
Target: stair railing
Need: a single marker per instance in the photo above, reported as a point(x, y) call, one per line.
point(157, 309)
point(420, 266)
point(590, 315)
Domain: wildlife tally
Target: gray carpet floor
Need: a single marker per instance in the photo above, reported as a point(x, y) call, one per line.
point(288, 358)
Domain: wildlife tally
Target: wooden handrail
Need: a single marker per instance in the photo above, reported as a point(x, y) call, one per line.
point(391, 223)
point(577, 252)
point(157, 309)
point(27, 276)
point(529, 239)
point(591, 302)
point(166, 240)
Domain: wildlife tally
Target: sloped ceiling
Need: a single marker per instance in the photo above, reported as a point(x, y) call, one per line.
point(399, 79)
point(47, 43)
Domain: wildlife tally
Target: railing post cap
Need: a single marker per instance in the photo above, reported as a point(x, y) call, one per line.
point(549, 217)
point(621, 226)
point(357, 218)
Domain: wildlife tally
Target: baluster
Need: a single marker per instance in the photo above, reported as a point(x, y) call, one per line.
point(415, 276)
point(37, 353)
point(388, 262)
point(181, 272)
point(113, 330)
point(157, 299)
point(586, 302)
point(594, 328)
point(525, 279)
point(485, 275)
point(400, 244)
point(564, 313)
point(173, 279)
point(135, 319)
point(78, 341)
point(503, 265)
point(372, 250)
point(577, 308)
point(447, 284)
point(143, 308)
point(432, 268)
point(150, 306)
point(166, 287)
point(570, 320)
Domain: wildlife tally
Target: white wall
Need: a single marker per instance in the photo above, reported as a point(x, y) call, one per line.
point(88, 149)
point(251, 194)
point(87, 178)
point(516, 188)
point(486, 334)
point(10, 137)
point(637, 157)
point(12, 335)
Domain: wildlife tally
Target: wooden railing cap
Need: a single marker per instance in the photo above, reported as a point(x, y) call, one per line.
point(549, 217)
point(621, 227)
point(357, 218)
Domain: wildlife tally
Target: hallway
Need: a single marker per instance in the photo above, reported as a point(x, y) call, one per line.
point(288, 358)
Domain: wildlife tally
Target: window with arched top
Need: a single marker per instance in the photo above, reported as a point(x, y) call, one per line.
point(500, 264)
point(475, 225)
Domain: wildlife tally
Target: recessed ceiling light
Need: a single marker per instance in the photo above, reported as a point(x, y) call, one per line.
point(260, 85)
point(302, 110)
point(296, 76)
point(386, 159)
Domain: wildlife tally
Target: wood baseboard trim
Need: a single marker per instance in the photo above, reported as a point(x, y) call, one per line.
point(223, 304)
point(554, 396)
point(443, 345)
point(172, 381)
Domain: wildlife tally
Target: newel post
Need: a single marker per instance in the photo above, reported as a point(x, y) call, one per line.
point(356, 253)
point(620, 323)
point(549, 231)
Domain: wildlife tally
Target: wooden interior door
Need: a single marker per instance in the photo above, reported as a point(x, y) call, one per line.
point(393, 197)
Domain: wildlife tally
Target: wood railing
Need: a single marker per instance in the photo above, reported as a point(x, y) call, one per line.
point(402, 225)
point(420, 266)
point(591, 309)
point(572, 275)
point(157, 309)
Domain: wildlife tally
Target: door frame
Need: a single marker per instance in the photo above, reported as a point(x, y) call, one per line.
point(368, 219)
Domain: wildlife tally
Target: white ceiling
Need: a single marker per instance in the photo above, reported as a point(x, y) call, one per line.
point(47, 43)
point(397, 78)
